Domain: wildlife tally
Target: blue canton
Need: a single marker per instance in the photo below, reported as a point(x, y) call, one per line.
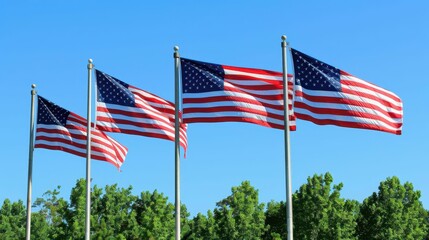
point(51, 114)
point(313, 74)
point(199, 77)
point(112, 90)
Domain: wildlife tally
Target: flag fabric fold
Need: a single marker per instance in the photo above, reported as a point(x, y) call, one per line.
point(221, 93)
point(126, 109)
point(60, 129)
point(326, 95)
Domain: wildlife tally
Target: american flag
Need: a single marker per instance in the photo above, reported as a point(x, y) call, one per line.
point(127, 109)
point(220, 93)
point(59, 129)
point(327, 95)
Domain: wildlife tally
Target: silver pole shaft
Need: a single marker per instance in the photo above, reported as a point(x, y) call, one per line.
point(30, 164)
point(289, 214)
point(176, 139)
point(88, 158)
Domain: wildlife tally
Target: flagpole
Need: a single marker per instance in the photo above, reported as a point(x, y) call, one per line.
point(289, 214)
point(30, 163)
point(88, 157)
point(176, 139)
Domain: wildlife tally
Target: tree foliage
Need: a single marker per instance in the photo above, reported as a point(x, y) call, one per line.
point(319, 212)
point(240, 215)
point(395, 212)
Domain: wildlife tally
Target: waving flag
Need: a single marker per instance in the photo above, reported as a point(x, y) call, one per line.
point(220, 93)
point(327, 95)
point(59, 129)
point(127, 109)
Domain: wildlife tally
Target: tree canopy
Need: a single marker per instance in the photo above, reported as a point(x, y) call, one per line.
point(319, 212)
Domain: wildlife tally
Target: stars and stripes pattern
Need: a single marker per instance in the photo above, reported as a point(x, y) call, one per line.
point(60, 129)
point(327, 95)
point(126, 109)
point(220, 93)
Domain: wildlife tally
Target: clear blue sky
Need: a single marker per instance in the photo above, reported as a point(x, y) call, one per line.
point(49, 42)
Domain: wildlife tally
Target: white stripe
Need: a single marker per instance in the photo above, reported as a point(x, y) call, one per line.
point(125, 127)
point(135, 128)
point(348, 107)
point(74, 148)
point(106, 145)
point(375, 94)
point(146, 94)
point(233, 114)
point(345, 119)
point(233, 104)
point(255, 82)
point(336, 94)
point(162, 117)
point(228, 93)
point(256, 75)
point(161, 124)
point(259, 92)
point(358, 80)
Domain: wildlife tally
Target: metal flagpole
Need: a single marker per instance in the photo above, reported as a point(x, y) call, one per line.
point(88, 157)
point(289, 215)
point(176, 140)
point(30, 163)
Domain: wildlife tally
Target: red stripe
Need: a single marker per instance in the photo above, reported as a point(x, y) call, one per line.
point(231, 99)
point(233, 119)
point(253, 70)
point(372, 97)
point(238, 119)
point(277, 83)
point(265, 97)
point(50, 147)
point(233, 109)
point(370, 86)
point(136, 124)
point(82, 146)
point(152, 98)
point(141, 133)
point(345, 124)
point(345, 101)
point(132, 114)
point(79, 146)
point(350, 113)
point(78, 136)
point(256, 87)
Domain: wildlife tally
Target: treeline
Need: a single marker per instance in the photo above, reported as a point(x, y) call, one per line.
point(319, 212)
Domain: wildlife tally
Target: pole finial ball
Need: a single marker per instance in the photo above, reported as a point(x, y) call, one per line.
point(90, 60)
point(284, 37)
point(33, 86)
point(176, 48)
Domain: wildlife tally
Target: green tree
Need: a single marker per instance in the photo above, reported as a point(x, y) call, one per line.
point(39, 226)
point(12, 220)
point(395, 212)
point(427, 225)
point(52, 212)
point(275, 220)
point(155, 216)
point(75, 215)
point(320, 213)
point(240, 215)
point(202, 227)
point(111, 213)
